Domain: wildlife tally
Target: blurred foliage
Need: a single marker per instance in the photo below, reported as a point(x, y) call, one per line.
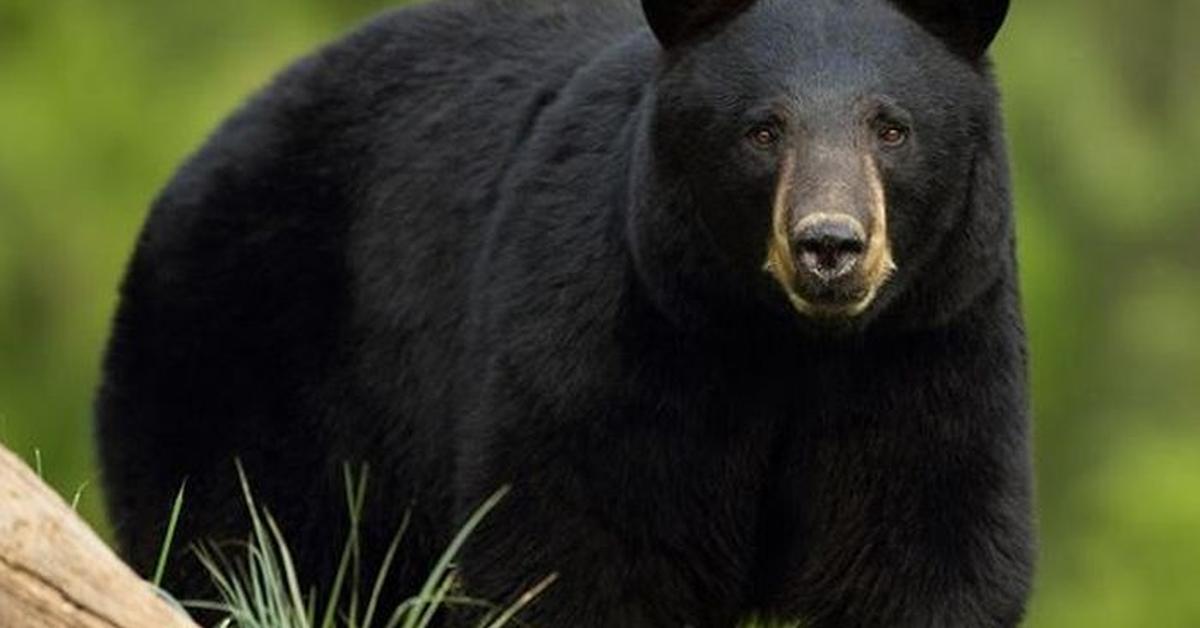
point(99, 101)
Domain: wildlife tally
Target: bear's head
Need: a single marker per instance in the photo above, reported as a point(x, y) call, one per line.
point(838, 159)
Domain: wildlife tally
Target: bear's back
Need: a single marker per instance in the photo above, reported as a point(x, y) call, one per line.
point(465, 85)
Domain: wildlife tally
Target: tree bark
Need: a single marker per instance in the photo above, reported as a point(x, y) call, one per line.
point(55, 572)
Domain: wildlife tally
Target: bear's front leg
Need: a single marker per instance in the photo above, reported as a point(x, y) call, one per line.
point(916, 492)
point(595, 579)
point(633, 510)
point(929, 547)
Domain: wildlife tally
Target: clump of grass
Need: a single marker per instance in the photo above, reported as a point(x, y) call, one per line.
point(261, 588)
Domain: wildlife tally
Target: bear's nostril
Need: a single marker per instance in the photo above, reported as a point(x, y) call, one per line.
point(830, 249)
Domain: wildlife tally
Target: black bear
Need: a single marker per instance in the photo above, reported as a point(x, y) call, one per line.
point(724, 290)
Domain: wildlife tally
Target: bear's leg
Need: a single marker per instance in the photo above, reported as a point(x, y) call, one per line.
point(917, 500)
point(598, 577)
point(919, 575)
point(917, 561)
point(645, 520)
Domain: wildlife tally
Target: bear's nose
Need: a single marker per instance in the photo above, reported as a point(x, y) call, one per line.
point(830, 248)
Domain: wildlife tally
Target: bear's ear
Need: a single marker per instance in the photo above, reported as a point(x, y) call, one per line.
point(678, 21)
point(967, 26)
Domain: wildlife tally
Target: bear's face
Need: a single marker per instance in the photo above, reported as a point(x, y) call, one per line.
point(825, 145)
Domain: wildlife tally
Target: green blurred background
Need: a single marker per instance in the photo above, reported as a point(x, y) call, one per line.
point(99, 101)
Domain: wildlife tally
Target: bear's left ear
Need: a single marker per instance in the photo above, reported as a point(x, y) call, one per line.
point(967, 26)
point(675, 22)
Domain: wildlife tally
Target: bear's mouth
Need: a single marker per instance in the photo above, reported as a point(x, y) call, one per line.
point(829, 302)
point(816, 298)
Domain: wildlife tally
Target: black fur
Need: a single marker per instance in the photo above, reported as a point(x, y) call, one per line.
point(489, 242)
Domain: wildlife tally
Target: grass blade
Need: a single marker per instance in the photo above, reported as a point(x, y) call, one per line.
point(525, 600)
point(165, 551)
point(384, 568)
point(441, 570)
point(78, 494)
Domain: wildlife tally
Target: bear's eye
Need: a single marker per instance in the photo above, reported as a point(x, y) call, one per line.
point(892, 135)
point(763, 136)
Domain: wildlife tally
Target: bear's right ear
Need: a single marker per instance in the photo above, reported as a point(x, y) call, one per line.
point(678, 21)
point(967, 26)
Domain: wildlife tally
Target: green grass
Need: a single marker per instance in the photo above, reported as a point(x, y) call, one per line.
point(259, 587)
point(176, 508)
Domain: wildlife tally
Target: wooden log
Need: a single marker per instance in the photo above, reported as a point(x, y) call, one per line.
point(55, 572)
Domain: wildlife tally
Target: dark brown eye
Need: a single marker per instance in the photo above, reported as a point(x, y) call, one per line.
point(763, 136)
point(893, 135)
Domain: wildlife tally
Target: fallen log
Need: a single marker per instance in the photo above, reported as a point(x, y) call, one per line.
point(56, 573)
